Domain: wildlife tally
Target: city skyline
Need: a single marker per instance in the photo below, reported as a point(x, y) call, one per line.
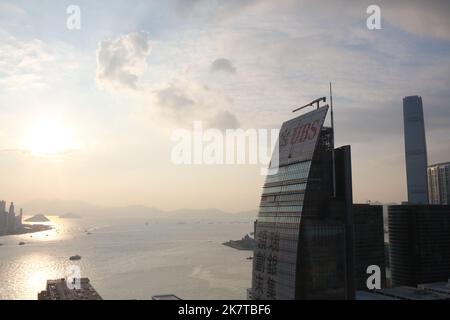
point(88, 114)
point(253, 150)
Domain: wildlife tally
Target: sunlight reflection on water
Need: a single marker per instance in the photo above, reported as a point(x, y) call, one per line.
point(129, 259)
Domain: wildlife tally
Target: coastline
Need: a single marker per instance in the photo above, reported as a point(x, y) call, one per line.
point(29, 228)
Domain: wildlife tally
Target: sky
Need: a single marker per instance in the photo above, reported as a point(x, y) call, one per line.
point(88, 114)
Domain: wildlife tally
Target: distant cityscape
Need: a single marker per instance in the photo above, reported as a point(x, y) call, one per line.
point(10, 223)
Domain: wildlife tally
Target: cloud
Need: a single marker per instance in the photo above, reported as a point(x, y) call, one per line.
point(224, 65)
point(425, 18)
point(173, 98)
point(27, 64)
point(122, 61)
point(223, 120)
point(182, 102)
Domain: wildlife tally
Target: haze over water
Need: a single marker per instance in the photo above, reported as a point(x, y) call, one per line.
point(129, 259)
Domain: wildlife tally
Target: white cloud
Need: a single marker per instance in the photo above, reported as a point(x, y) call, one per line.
point(122, 61)
point(26, 64)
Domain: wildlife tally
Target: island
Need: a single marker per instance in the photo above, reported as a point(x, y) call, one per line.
point(30, 228)
point(22, 228)
point(38, 218)
point(246, 243)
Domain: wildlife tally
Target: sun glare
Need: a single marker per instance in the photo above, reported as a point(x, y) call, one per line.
point(48, 136)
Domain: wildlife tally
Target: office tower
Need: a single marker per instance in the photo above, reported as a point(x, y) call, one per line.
point(58, 290)
point(415, 150)
point(11, 219)
point(419, 237)
point(439, 183)
point(18, 222)
point(3, 218)
point(369, 243)
point(302, 232)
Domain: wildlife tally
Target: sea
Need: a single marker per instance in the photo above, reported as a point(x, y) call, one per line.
point(134, 258)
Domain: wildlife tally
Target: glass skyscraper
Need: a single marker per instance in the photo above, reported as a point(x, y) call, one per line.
point(415, 150)
point(419, 237)
point(302, 231)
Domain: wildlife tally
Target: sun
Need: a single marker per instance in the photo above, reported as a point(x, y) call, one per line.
point(48, 136)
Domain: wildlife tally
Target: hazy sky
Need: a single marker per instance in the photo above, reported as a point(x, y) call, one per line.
point(88, 114)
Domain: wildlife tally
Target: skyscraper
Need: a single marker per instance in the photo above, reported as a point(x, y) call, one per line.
point(3, 218)
point(11, 224)
point(415, 150)
point(419, 237)
point(439, 183)
point(302, 234)
point(369, 242)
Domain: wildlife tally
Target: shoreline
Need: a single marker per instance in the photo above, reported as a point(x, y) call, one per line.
point(29, 228)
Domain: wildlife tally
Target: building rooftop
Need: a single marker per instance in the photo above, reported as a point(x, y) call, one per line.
point(58, 290)
point(365, 295)
point(410, 293)
point(439, 287)
point(439, 164)
point(165, 297)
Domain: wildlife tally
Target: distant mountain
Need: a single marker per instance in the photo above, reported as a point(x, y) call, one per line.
point(84, 209)
point(38, 218)
point(70, 215)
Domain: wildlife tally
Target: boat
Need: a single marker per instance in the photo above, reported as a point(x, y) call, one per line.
point(75, 257)
point(249, 258)
point(21, 243)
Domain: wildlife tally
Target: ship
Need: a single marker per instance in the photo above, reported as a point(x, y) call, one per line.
point(75, 257)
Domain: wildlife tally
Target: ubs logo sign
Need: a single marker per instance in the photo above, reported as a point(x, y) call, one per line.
point(301, 133)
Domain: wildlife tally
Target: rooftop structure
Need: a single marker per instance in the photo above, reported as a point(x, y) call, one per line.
point(58, 290)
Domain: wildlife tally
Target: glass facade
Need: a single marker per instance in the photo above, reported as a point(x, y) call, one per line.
point(300, 241)
point(419, 237)
point(368, 242)
point(415, 150)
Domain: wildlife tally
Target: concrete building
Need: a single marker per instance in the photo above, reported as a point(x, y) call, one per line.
point(419, 238)
point(58, 290)
point(439, 183)
point(415, 150)
point(368, 243)
point(304, 229)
